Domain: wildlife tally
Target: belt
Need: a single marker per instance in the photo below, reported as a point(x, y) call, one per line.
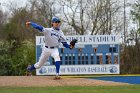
point(50, 47)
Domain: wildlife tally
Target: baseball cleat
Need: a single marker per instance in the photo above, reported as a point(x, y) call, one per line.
point(57, 78)
point(29, 67)
point(28, 72)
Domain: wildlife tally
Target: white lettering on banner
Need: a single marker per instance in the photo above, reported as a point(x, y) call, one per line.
point(80, 69)
point(97, 69)
point(98, 39)
point(40, 40)
point(51, 70)
point(63, 70)
point(91, 39)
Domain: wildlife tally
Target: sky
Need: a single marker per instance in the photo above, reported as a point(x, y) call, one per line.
point(4, 3)
point(20, 3)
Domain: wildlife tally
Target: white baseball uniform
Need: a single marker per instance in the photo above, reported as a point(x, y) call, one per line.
point(53, 38)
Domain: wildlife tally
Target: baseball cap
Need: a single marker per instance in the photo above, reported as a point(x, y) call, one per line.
point(55, 19)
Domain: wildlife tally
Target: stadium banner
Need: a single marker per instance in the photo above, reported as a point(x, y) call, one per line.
point(87, 39)
point(105, 60)
point(80, 69)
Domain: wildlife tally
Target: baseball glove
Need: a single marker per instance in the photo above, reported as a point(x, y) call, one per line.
point(72, 43)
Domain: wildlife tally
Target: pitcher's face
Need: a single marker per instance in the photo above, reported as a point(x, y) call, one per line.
point(56, 24)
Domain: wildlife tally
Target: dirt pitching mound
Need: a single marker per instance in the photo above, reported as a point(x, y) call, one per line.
point(43, 81)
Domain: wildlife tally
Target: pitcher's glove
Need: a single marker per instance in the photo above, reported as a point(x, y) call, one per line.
point(72, 43)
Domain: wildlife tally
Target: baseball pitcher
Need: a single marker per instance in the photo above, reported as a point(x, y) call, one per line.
point(53, 37)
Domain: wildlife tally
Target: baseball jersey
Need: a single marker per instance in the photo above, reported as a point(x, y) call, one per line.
point(53, 37)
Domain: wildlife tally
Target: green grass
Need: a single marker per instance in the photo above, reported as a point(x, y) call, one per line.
point(73, 89)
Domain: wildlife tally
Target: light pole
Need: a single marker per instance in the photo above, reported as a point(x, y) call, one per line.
point(124, 22)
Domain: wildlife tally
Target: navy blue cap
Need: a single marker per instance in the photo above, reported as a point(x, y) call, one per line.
point(56, 19)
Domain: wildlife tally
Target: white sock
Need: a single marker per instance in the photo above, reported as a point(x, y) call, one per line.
point(57, 74)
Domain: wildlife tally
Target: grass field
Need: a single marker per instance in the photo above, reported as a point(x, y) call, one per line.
point(73, 89)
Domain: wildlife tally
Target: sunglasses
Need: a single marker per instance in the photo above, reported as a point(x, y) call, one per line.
point(57, 22)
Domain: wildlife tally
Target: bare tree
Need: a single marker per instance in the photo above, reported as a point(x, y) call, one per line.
point(135, 13)
point(92, 16)
point(1, 23)
point(3, 20)
point(1, 17)
point(74, 13)
point(44, 10)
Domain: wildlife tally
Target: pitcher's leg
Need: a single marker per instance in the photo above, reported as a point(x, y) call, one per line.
point(44, 56)
point(41, 61)
point(57, 65)
point(55, 55)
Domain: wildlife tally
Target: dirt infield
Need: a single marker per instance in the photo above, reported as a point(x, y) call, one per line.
point(43, 81)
